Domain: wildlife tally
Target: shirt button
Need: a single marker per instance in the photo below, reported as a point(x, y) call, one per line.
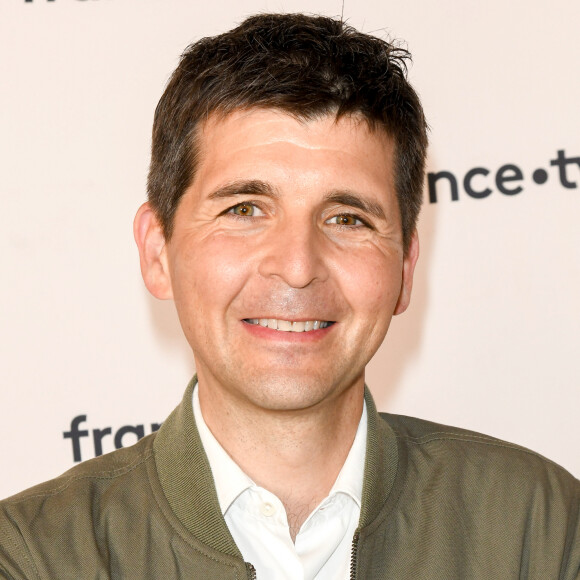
point(267, 509)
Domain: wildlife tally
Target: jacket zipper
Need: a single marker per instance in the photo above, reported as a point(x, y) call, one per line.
point(251, 571)
point(353, 560)
point(354, 555)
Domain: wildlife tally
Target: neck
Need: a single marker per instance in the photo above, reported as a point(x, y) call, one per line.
point(295, 454)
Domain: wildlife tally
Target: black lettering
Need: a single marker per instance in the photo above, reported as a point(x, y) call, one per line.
point(136, 429)
point(98, 435)
point(562, 161)
point(540, 176)
point(508, 173)
point(75, 435)
point(467, 183)
point(433, 178)
point(155, 427)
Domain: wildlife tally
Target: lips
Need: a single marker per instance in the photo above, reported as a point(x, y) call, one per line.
point(288, 325)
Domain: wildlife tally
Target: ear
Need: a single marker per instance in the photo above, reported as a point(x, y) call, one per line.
point(408, 269)
point(152, 253)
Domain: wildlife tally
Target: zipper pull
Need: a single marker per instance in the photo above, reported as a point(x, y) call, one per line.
point(251, 571)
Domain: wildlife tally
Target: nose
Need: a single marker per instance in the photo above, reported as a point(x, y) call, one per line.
point(294, 251)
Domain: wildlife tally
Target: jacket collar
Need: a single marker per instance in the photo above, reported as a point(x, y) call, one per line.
point(187, 482)
point(384, 464)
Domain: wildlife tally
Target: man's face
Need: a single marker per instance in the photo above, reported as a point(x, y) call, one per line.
point(288, 226)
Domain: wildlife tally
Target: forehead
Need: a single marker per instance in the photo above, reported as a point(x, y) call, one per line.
point(265, 140)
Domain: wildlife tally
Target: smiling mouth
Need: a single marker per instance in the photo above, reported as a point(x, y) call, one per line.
point(289, 326)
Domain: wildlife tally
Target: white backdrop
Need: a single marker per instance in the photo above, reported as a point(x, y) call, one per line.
point(491, 339)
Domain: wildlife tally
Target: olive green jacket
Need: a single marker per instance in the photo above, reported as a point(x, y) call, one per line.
point(438, 503)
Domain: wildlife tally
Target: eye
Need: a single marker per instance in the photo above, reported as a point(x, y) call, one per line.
point(245, 209)
point(345, 219)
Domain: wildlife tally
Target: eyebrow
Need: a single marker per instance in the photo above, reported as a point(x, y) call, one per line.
point(257, 187)
point(244, 187)
point(353, 200)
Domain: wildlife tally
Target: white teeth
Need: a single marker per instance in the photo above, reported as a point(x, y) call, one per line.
point(287, 325)
point(298, 326)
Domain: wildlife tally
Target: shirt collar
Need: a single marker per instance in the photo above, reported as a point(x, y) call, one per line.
point(230, 481)
point(350, 478)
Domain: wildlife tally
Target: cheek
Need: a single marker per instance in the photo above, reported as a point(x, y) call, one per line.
point(226, 260)
point(371, 282)
point(207, 273)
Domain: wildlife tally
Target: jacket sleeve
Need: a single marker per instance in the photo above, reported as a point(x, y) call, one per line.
point(572, 571)
point(15, 558)
point(5, 576)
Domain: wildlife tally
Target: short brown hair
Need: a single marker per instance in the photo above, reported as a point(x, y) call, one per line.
point(306, 66)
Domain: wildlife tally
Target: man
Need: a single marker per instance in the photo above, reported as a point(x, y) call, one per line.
point(284, 188)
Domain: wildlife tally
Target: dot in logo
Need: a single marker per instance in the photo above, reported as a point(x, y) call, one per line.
point(540, 176)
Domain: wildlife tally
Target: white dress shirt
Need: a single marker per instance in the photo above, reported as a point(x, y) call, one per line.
point(257, 519)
